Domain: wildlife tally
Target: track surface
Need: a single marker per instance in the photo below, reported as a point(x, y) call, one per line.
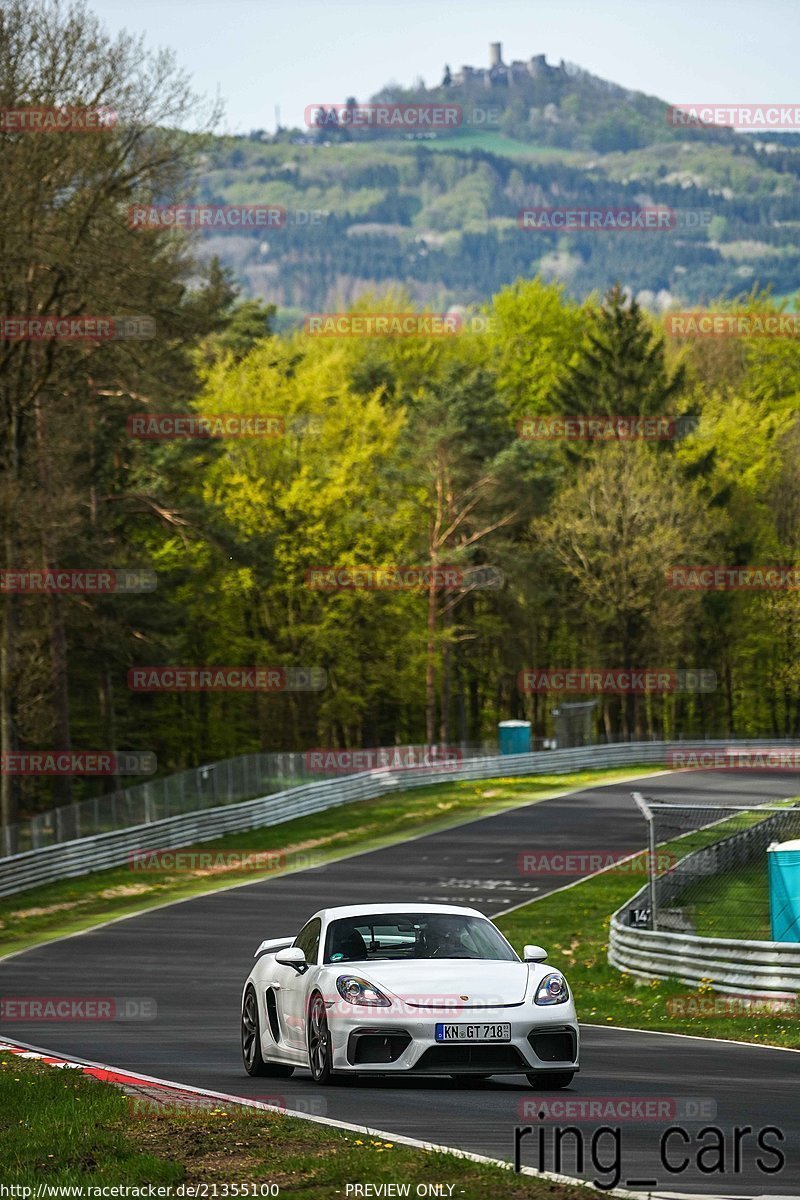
point(193, 957)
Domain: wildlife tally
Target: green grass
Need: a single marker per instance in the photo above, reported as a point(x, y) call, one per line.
point(573, 925)
point(495, 142)
point(62, 1128)
point(734, 906)
point(71, 905)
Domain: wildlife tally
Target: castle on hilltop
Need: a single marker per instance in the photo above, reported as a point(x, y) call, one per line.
point(499, 74)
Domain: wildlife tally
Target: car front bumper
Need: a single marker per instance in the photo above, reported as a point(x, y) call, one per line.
point(373, 1042)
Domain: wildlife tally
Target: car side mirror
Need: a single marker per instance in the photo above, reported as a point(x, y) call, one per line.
point(534, 954)
point(292, 956)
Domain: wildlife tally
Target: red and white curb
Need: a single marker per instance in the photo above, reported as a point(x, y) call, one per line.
point(158, 1091)
point(164, 1091)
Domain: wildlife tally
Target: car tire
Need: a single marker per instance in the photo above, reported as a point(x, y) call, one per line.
point(320, 1055)
point(550, 1081)
point(254, 1063)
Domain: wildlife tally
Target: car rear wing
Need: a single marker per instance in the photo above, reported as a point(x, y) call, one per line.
point(274, 944)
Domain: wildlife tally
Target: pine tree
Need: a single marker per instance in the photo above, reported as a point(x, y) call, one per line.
point(621, 369)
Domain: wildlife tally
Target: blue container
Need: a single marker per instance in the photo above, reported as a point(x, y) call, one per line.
point(514, 737)
point(784, 890)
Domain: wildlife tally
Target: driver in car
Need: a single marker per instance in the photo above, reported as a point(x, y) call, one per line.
point(442, 941)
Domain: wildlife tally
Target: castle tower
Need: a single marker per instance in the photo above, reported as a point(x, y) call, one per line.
point(495, 54)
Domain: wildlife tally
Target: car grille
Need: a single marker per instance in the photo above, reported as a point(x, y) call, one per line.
point(471, 1057)
point(376, 1046)
point(553, 1045)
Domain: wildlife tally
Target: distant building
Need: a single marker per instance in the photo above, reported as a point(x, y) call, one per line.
point(498, 74)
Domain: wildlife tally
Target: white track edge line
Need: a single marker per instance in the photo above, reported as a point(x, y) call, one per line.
point(557, 795)
point(697, 1037)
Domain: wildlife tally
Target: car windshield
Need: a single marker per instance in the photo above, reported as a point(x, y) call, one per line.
point(414, 935)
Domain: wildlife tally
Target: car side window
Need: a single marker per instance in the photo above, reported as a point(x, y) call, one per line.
point(308, 939)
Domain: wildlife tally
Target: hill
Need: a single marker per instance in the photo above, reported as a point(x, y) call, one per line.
point(438, 212)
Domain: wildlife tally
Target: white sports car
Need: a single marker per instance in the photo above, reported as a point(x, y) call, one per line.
point(406, 989)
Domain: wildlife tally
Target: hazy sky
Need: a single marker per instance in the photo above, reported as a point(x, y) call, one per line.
point(292, 53)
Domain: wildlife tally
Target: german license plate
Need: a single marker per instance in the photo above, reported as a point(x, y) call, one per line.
point(479, 1032)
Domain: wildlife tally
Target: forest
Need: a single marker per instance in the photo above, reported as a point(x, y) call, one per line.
point(356, 452)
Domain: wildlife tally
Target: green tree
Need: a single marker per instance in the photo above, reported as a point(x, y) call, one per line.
point(621, 368)
point(65, 250)
point(614, 533)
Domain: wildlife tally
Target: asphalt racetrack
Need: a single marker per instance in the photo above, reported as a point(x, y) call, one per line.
point(193, 957)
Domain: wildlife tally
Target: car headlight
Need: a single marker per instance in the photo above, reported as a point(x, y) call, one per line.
point(358, 991)
point(552, 990)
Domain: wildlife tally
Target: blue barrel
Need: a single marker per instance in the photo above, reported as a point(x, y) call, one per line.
point(514, 737)
point(784, 890)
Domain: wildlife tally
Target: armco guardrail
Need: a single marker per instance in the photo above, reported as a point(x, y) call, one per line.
point(81, 856)
point(735, 965)
point(211, 785)
point(66, 860)
point(724, 964)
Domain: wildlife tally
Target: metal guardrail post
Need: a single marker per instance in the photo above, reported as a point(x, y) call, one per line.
point(644, 809)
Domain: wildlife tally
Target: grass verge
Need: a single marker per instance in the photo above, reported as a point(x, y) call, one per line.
point(60, 1128)
point(731, 905)
point(71, 905)
point(573, 925)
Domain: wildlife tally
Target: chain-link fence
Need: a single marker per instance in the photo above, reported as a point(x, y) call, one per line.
point(225, 782)
point(708, 867)
point(573, 723)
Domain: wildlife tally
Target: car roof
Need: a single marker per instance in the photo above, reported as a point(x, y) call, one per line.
point(362, 910)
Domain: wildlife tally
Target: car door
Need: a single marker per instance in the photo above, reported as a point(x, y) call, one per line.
point(291, 987)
